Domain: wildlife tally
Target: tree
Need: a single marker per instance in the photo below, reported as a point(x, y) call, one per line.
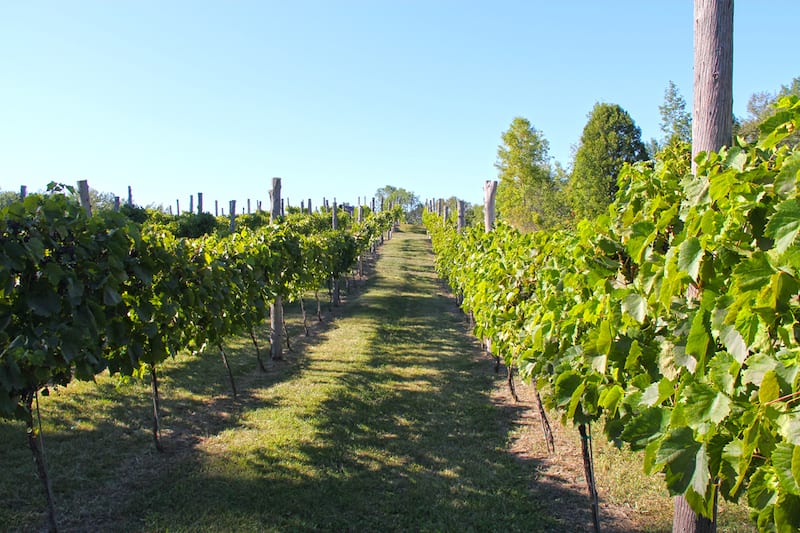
point(407, 200)
point(760, 106)
point(676, 122)
point(609, 140)
point(526, 187)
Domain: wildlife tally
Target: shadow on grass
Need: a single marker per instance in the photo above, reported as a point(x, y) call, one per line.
point(409, 439)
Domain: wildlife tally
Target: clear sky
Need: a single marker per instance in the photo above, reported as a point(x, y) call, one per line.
point(338, 98)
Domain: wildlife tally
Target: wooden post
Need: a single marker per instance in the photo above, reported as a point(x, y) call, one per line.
point(335, 297)
point(130, 196)
point(116, 204)
point(282, 211)
point(83, 192)
point(191, 204)
point(372, 205)
point(199, 203)
point(276, 309)
point(216, 208)
point(170, 210)
point(461, 215)
point(712, 116)
point(23, 192)
point(712, 122)
point(489, 196)
point(232, 211)
point(177, 206)
point(446, 212)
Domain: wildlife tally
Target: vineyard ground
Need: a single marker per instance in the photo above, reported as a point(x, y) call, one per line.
point(386, 418)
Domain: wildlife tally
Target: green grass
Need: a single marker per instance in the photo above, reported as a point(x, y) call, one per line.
point(385, 419)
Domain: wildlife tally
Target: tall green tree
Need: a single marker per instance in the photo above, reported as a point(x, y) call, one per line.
point(409, 201)
point(526, 189)
point(609, 140)
point(676, 121)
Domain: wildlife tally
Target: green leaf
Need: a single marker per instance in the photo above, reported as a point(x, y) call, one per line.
point(787, 514)
point(757, 366)
point(610, 397)
point(635, 305)
point(770, 389)
point(784, 224)
point(657, 393)
point(678, 453)
point(43, 301)
point(789, 427)
point(762, 490)
point(690, 255)
point(697, 343)
point(646, 427)
point(786, 460)
point(704, 405)
point(733, 342)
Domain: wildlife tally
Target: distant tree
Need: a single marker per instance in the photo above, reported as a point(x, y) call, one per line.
point(526, 187)
point(760, 107)
point(7, 198)
point(609, 140)
point(409, 201)
point(676, 121)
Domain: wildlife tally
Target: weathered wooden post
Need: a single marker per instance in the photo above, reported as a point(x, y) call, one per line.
point(276, 309)
point(461, 215)
point(130, 196)
point(248, 206)
point(83, 193)
point(191, 204)
point(177, 206)
point(23, 192)
point(116, 204)
point(712, 123)
point(310, 211)
point(216, 208)
point(489, 196)
point(199, 203)
point(335, 298)
point(232, 214)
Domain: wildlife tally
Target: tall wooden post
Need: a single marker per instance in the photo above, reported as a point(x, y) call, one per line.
point(232, 214)
point(335, 297)
point(116, 204)
point(310, 211)
point(23, 192)
point(461, 215)
point(489, 196)
point(177, 206)
point(216, 208)
point(199, 203)
point(276, 309)
point(712, 123)
point(191, 204)
point(712, 115)
point(130, 196)
point(83, 193)
point(248, 206)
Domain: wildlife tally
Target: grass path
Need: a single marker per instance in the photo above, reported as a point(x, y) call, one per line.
point(387, 425)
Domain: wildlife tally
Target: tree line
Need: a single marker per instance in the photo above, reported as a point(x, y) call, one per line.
point(536, 193)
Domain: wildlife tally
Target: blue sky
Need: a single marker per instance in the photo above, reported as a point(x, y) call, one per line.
point(338, 98)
